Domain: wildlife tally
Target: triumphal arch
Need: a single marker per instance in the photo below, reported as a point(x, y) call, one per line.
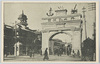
point(61, 22)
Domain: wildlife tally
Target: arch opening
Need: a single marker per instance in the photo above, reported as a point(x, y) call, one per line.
point(59, 41)
point(60, 33)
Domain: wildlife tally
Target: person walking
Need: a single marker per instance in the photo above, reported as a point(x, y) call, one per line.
point(78, 53)
point(60, 52)
point(73, 54)
point(41, 52)
point(68, 50)
point(30, 53)
point(46, 54)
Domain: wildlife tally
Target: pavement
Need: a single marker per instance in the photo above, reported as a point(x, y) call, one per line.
point(40, 58)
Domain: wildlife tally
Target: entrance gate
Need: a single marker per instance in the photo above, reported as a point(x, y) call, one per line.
point(69, 24)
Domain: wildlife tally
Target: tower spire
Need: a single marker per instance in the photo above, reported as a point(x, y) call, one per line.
point(23, 19)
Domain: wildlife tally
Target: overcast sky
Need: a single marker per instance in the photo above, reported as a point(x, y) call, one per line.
point(36, 11)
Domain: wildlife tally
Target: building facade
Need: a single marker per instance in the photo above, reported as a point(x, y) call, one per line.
point(18, 40)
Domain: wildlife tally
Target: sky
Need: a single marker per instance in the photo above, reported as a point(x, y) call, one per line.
point(36, 11)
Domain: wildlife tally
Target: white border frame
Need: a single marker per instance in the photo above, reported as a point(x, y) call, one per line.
point(97, 32)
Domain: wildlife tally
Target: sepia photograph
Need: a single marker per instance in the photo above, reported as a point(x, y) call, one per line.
point(50, 31)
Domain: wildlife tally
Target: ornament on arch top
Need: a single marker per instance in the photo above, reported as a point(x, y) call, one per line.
point(73, 11)
point(50, 13)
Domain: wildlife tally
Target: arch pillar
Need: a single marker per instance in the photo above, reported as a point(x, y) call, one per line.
point(76, 42)
point(45, 41)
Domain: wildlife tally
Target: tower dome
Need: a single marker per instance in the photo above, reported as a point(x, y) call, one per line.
point(23, 19)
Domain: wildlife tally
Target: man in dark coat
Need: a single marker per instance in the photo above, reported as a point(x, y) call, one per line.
point(46, 54)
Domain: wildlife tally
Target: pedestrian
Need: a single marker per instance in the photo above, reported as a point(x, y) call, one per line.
point(54, 51)
point(46, 54)
point(41, 52)
point(73, 54)
point(60, 50)
point(68, 51)
point(6, 54)
point(78, 53)
point(30, 53)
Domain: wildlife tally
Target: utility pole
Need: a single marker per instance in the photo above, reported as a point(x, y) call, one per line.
point(94, 41)
point(15, 37)
point(94, 35)
point(92, 8)
point(84, 21)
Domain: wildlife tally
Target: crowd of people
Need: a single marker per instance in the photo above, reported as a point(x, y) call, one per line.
point(58, 52)
point(62, 50)
point(31, 54)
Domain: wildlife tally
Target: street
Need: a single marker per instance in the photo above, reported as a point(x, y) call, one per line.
point(40, 58)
